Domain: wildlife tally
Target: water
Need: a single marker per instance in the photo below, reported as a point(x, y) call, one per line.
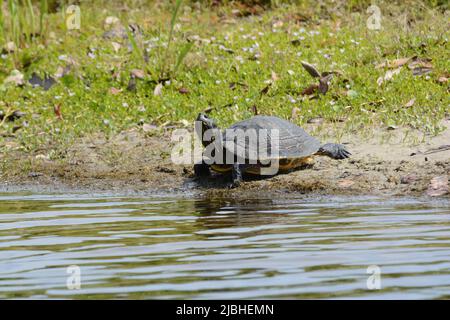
point(162, 247)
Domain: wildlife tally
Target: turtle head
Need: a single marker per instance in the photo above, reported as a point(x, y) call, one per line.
point(202, 124)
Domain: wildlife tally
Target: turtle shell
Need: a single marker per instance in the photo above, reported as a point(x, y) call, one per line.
point(268, 137)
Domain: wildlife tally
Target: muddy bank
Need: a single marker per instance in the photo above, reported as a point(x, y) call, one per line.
point(133, 162)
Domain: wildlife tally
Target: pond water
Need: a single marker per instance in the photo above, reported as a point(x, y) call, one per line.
point(109, 246)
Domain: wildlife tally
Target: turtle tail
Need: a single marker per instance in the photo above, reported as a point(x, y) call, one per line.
point(334, 151)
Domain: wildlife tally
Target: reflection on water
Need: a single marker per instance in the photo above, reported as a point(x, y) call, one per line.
point(220, 248)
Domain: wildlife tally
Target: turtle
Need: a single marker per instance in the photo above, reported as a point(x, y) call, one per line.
point(295, 147)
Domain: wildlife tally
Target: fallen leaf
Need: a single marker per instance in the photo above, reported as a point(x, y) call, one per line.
point(324, 83)
point(183, 90)
point(442, 79)
point(311, 69)
point(388, 76)
point(438, 186)
point(12, 116)
point(277, 24)
point(274, 76)
point(266, 89)
point(62, 71)
point(158, 90)
point(138, 73)
point(294, 113)
point(15, 77)
point(421, 66)
point(420, 71)
point(45, 83)
point(115, 91)
point(316, 120)
point(310, 90)
point(410, 103)
point(109, 21)
point(57, 110)
point(394, 63)
point(131, 84)
point(420, 63)
point(255, 110)
point(116, 46)
point(9, 47)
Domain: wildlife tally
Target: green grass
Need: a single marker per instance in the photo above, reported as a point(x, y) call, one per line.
point(188, 46)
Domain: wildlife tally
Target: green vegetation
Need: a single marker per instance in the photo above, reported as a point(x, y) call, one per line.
point(179, 59)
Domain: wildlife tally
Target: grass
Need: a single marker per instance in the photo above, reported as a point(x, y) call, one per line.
point(214, 59)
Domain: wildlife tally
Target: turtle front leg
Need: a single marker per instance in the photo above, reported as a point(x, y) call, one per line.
point(201, 169)
point(236, 175)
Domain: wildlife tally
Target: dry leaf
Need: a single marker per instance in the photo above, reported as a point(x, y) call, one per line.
point(388, 76)
point(410, 103)
point(137, 73)
point(324, 83)
point(183, 90)
point(265, 89)
point(442, 79)
point(148, 127)
point(158, 90)
point(420, 63)
point(294, 113)
point(15, 77)
point(311, 69)
point(57, 110)
point(109, 21)
point(115, 91)
point(9, 47)
point(438, 186)
point(274, 76)
point(316, 120)
point(394, 63)
point(116, 46)
point(310, 90)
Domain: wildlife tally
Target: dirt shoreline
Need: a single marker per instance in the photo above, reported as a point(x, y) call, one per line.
point(134, 163)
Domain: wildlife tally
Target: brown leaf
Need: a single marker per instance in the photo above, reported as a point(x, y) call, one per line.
point(57, 110)
point(274, 76)
point(316, 120)
point(138, 73)
point(410, 103)
point(311, 69)
point(183, 90)
point(149, 127)
point(324, 83)
point(310, 90)
point(131, 84)
point(388, 76)
point(420, 63)
point(115, 91)
point(394, 63)
point(420, 71)
point(438, 186)
point(158, 89)
point(266, 89)
point(442, 79)
point(255, 110)
point(294, 113)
